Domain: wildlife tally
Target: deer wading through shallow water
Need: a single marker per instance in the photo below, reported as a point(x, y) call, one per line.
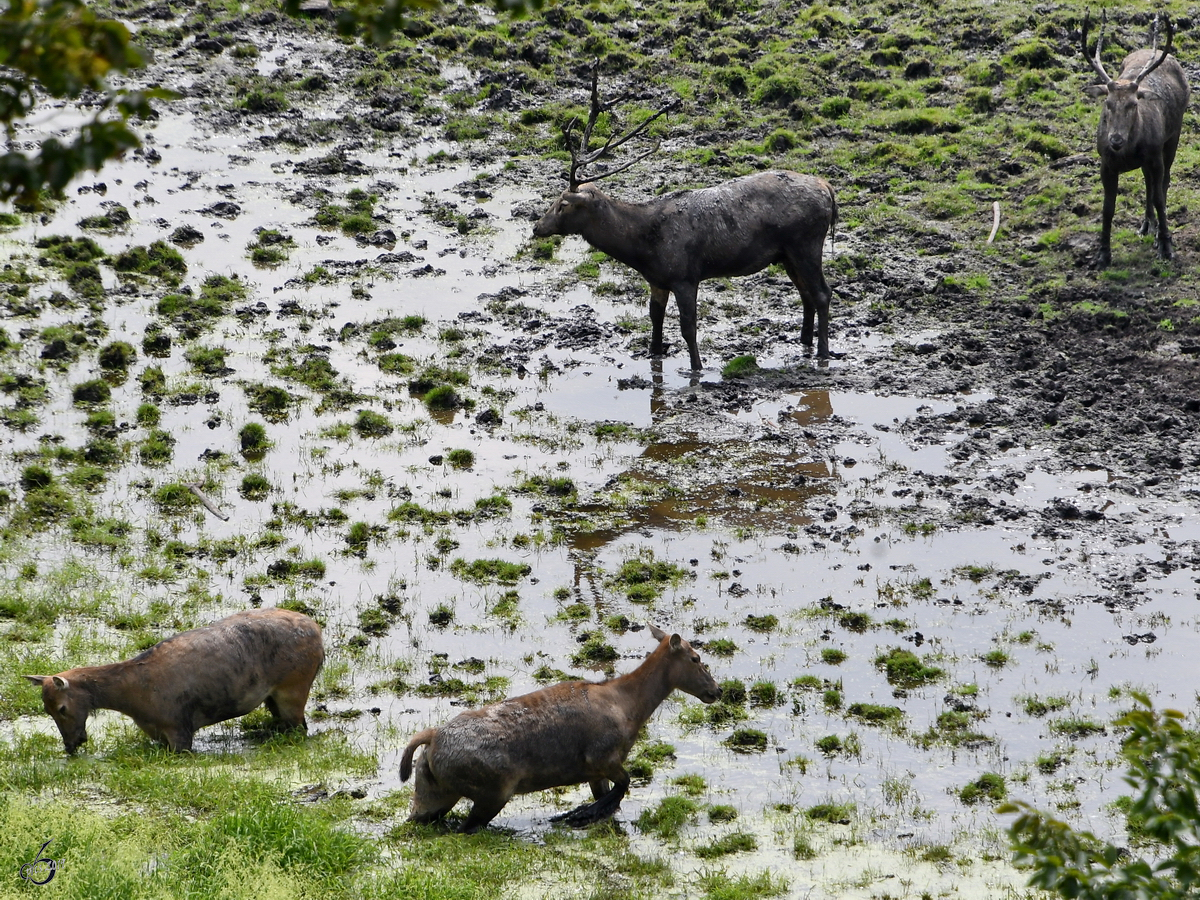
point(565, 734)
point(1139, 128)
point(680, 239)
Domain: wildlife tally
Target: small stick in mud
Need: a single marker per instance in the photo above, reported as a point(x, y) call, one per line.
point(565, 734)
point(194, 487)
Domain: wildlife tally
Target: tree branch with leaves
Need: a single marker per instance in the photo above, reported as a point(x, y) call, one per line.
point(1164, 770)
point(64, 49)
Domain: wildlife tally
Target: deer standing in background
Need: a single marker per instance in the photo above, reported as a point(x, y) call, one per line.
point(678, 240)
point(1139, 128)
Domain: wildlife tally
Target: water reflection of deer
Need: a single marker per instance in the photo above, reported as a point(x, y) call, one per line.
point(773, 479)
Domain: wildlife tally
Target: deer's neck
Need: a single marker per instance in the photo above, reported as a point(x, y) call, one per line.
point(623, 231)
point(645, 688)
point(110, 687)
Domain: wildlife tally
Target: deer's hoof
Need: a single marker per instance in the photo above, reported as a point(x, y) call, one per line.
point(579, 817)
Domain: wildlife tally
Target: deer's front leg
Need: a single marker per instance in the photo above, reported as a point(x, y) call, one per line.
point(658, 312)
point(1108, 178)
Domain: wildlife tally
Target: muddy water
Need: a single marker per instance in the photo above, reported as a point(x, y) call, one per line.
point(788, 505)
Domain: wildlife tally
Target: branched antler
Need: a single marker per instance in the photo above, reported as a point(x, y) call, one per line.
point(1150, 67)
point(1095, 60)
point(580, 156)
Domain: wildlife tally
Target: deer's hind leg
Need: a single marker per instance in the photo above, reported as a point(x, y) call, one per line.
point(431, 800)
point(804, 269)
point(287, 700)
point(685, 298)
point(487, 807)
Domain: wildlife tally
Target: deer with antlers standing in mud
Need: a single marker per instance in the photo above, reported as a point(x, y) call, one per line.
point(1139, 128)
point(678, 240)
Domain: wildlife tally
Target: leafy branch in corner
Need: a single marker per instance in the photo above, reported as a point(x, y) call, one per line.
point(1164, 771)
point(64, 49)
point(68, 51)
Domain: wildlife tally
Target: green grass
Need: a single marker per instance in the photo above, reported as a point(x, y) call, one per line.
point(490, 571)
point(254, 486)
point(117, 356)
point(90, 392)
point(735, 842)
point(372, 424)
point(252, 438)
point(834, 813)
point(178, 824)
point(553, 486)
point(876, 714)
point(644, 578)
point(1037, 707)
point(669, 817)
point(720, 647)
point(443, 397)
point(595, 651)
point(988, 787)
point(270, 247)
point(158, 260)
point(996, 659)
point(747, 740)
point(904, 669)
point(157, 448)
point(764, 624)
point(1076, 728)
point(739, 367)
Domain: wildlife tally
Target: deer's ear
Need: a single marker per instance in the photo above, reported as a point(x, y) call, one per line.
point(39, 680)
point(61, 683)
point(1148, 95)
point(1096, 90)
point(657, 633)
point(676, 642)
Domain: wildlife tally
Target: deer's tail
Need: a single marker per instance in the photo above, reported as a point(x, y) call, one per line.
point(833, 218)
point(422, 737)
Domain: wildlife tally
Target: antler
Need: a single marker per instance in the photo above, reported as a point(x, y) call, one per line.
point(1150, 67)
point(580, 156)
point(1095, 61)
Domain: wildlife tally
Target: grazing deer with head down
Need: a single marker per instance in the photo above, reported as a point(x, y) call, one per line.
point(196, 678)
point(678, 240)
point(1139, 128)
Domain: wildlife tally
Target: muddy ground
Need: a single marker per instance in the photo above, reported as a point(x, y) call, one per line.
point(995, 471)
